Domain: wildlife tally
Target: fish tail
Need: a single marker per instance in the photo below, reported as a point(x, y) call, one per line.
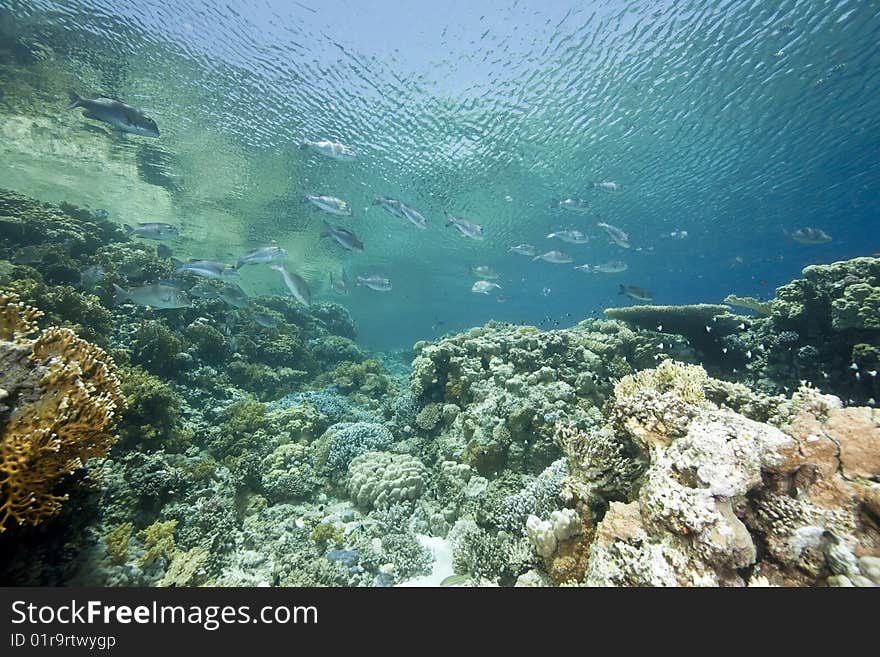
point(622, 290)
point(177, 264)
point(75, 100)
point(120, 295)
point(128, 230)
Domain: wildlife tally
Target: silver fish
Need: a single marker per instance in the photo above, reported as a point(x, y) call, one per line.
point(611, 267)
point(151, 231)
point(343, 236)
point(570, 236)
point(616, 234)
point(810, 235)
point(375, 282)
point(264, 320)
point(400, 209)
point(118, 114)
point(523, 249)
point(609, 187)
point(206, 268)
point(296, 284)
point(338, 285)
point(90, 276)
point(28, 255)
point(330, 204)
point(636, 293)
point(554, 257)
point(155, 296)
point(202, 290)
point(484, 287)
point(333, 150)
point(262, 255)
point(573, 205)
point(465, 227)
point(484, 271)
point(234, 295)
point(414, 217)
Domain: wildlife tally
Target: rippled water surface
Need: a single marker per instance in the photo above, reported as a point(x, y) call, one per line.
point(733, 121)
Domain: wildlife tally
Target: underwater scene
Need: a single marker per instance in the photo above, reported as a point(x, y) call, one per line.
point(453, 294)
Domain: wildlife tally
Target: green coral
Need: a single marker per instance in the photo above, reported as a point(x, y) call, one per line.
point(756, 305)
point(158, 540)
point(209, 343)
point(365, 378)
point(858, 308)
point(264, 381)
point(117, 542)
point(243, 427)
point(154, 346)
point(152, 418)
point(327, 533)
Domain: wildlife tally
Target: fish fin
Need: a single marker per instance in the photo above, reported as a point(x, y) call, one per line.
point(120, 295)
point(177, 264)
point(128, 230)
point(622, 290)
point(75, 100)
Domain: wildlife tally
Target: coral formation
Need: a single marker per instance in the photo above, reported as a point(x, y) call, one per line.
point(378, 479)
point(59, 402)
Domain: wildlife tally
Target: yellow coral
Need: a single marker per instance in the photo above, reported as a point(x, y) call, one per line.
point(687, 382)
point(158, 539)
point(63, 400)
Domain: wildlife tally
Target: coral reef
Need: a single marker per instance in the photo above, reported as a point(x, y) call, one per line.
point(378, 479)
point(57, 408)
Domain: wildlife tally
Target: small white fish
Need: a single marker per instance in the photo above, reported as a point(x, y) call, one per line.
point(708, 329)
point(858, 376)
point(724, 350)
point(742, 326)
point(853, 366)
point(523, 249)
point(749, 353)
point(873, 373)
point(659, 327)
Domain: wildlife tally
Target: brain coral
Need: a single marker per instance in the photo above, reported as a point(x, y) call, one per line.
point(58, 403)
point(379, 479)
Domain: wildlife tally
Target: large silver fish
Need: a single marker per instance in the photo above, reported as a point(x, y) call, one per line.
point(343, 236)
point(333, 150)
point(206, 268)
point(484, 287)
point(400, 209)
point(523, 249)
point(155, 296)
point(554, 257)
point(573, 205)
point(330, 204)
point(296, 284)
point(810, 235)
point(375, 282)
point(636, 293)
point(151, 231)
point(234, 295)
point(609, 187)
point(616, 234)
point(338, 284)
point(465, 227)
point(263, 254)
point(116, 113)
point(611, 267)
point(570, 236)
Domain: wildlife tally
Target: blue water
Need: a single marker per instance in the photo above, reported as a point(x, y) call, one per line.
point(733, 121)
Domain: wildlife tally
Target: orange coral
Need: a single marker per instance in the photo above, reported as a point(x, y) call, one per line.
point(58, 398)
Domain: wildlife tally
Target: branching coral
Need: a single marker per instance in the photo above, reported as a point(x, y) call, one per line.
point(59, 404)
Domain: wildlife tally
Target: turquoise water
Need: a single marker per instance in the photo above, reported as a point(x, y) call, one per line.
point(732, 121)
point(160, 428)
